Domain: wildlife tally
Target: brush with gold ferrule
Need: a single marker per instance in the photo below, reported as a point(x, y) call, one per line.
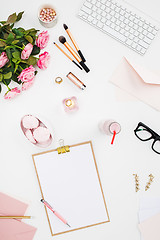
point(74, 42)
point(70, 49)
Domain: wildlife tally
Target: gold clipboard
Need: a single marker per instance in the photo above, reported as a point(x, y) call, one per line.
point(64, 151)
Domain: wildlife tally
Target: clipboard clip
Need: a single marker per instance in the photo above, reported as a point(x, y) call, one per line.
point(62, 148)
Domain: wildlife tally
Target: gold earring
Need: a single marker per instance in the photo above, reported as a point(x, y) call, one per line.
point(136, 182)
point(151, 177)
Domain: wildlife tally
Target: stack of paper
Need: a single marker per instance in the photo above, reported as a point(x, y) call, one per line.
point(14, 229)
point(149, 218)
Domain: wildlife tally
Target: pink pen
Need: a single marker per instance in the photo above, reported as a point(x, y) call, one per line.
point(56, 213)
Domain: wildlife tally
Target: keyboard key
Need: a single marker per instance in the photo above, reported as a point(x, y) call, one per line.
point(104, 14)
point(154, 32)
point(94, 14)
point(94, 8)
point(108, 4)
point(98, 4)
point(113, 33)
point(136, 33)
point(103, 20)
point(108, 10)
point(103, 1)
point(117, 28)
point(133, 45)
point(143, 44)
point(143, 50)
point(140, 23)
point(113, 7)
point(117, 9)
point(99, 11)
point(100, 24)
point(138, 48)
point(94, 21)
point(112, 25)
point(103, 7)
point(87, 4)
point(136, 39)
point(113, 19)
point(147, 40)
point(99, 17)
point(90, 18)
point(128, 42)
point(144, 32)
point(86, 10)
point(108, 22)
point(131, 37)
point(141, 36)
point(126, 34)
point(150, 36)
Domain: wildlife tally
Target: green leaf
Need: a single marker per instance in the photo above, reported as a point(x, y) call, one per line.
point(21, 29)
point(15, 42)
point(31, 60)
point(36, 50)
point(5, 35)
point(31, 30)
point(7, 81)
point(10, 38)
point(15, 79)
point(2, 44)
point(11, 19)
point(7, 75)
point(3, 22)
point(16, 55)
point(9, 54)
point(17, 32)
point(1, 77)
point(14, 60)
point(19, 16)
point(16, 68)
point(29, 39)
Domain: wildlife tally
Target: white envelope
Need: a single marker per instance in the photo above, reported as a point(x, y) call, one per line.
point(138, 81)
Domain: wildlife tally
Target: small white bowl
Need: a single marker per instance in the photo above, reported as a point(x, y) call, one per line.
point(44, 23)
point(38, 144)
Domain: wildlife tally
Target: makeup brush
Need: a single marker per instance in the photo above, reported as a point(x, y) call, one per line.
point(67, 55)
point(70, 49)
point(74, 43)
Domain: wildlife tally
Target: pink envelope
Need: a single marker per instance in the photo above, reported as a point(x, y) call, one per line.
point(150, 228)
point(139, 82)
point(13, 229)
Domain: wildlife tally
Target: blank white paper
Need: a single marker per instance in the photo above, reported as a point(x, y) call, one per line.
point(71, 186)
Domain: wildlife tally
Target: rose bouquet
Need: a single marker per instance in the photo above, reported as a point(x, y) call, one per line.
point(18, 48)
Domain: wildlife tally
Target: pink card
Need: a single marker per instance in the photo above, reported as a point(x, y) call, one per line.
point(11, 206)
point(14, 229)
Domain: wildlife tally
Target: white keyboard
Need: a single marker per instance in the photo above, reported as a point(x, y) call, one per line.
point(120, 23)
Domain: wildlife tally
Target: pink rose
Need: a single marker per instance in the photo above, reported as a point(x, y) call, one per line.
point(43, 60)
point(27, 51)
point(12, 93)
point(27, 85)
point(42, 39)
point(27, 74)
point(3, 59)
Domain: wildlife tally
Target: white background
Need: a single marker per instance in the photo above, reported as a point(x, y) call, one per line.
point(116, 163)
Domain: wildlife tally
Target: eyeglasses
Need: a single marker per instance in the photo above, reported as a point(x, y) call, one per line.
point(144, 133)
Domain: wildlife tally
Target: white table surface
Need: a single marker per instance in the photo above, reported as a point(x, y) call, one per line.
point(116, 163)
